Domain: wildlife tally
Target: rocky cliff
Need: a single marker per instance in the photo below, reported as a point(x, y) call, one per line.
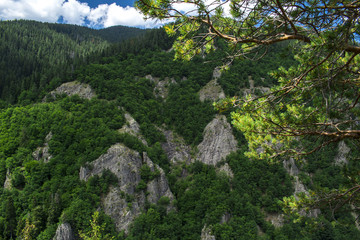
point(42, 153)
point(64, 232)
point(74, 88)
point(161, 86)
point(132, 127)
point(124, 202)
point(218, 141)
point(175, 147)
point(212, 90)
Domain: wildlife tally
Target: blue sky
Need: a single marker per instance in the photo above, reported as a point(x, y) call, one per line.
point(95, 3)
point(91, 13)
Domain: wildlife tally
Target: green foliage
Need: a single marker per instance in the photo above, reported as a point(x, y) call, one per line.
point(97, 231)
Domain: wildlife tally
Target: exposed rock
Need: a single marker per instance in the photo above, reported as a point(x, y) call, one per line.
point(132, 127)
point(299, 187)
point(124, 202)
point(175, 148)
point(255, 90)
point(123, 162)
point(225, 218)
point(7, 183)
point(291, 167)
point(42, 153)
point(64, 232)
point(211, 91)
point(84, 172)
point(158, 188)
point(206, 234)
point(74, 88)
point(251, 83)
point(343, 150)
point(218, 141)
point(217, 73)
point(293, 170)
point(276, 219)
point(122, 212)
point(161, 86)
point(227, 170)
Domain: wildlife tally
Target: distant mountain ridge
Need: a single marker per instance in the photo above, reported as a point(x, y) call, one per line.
point(35, 55)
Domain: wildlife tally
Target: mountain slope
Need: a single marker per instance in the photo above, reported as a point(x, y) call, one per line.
point(38, 56)
point(144, 151)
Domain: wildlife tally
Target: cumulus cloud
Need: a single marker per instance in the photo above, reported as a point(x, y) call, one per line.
point(41, 10)
point(111, 15)
point(74, 12)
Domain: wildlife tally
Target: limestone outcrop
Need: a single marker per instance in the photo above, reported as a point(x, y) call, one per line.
point(132, 127)
point(212, 90)
point(158, 187)
point(206, 234)
point(74, 88)
point(175, 147)
point(42, 153)
point(218, 141)
point(225, 169)
point(125, 202)
point(7, 183)
point(161, 86)
point(64, 232)
point(343, 151)
point(294, 171)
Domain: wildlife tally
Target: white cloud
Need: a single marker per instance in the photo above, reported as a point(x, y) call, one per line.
point(117, 15)
point(74, 12)
point(97, 16)
point(41, 10)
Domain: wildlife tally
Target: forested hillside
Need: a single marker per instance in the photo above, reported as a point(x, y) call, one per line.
point(127, 161)
point(35, 57)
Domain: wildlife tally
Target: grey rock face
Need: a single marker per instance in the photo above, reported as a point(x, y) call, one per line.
point(123, 162)
point(211, 91)
point(343, 150)
point(7, 183)
point(161, 86)
point(252, 90)
point(291, 167)
point(132, 127)
point(206, 234)
point(293, 170)
point(217, 73)
point(276, 219)
point(64, 232)
point(74, 88)
point(42, 153)
point(226, 170)
point(218, 141)
point(124, 202)
point(159, 186)
point(175, 148)
point(122, 212)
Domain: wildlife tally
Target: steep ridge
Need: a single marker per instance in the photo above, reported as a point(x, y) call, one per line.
point(125, 202)
point(218, 141)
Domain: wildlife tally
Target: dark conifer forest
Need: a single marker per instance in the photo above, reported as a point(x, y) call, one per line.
point(41, 190)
